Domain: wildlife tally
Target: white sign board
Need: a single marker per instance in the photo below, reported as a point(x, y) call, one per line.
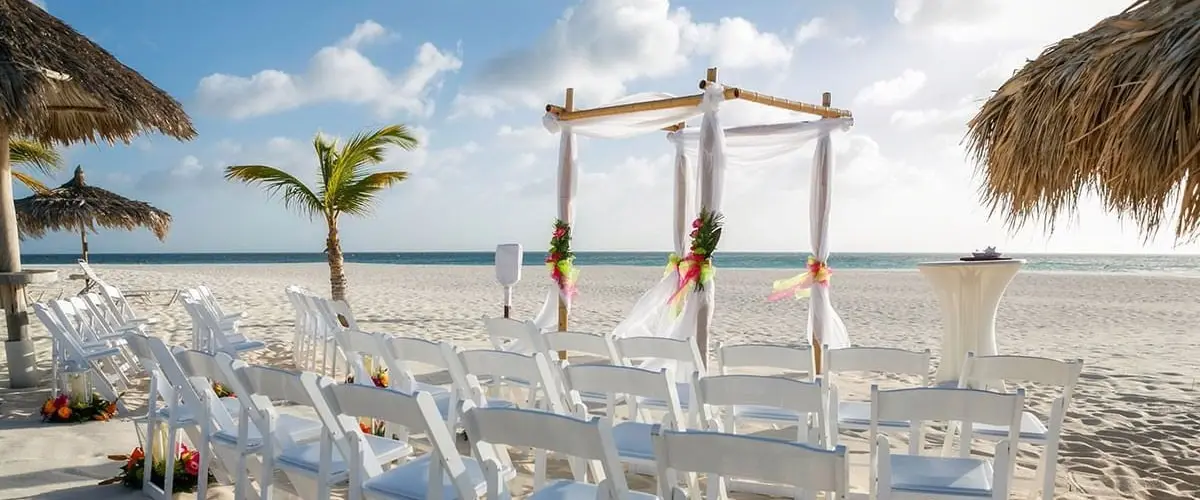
point(509, 257)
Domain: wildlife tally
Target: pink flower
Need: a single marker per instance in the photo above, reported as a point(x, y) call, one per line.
point(559, 232)
point(695, 233)
point(192, 466)
point(697, 223)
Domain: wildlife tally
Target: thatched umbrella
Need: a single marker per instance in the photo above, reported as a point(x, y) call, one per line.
point(56, 86)
point(1113, 112)
point(76, 206)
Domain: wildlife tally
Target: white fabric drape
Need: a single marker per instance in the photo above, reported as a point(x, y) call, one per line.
point(610, 127)
point(824, 323)
point(711, 163)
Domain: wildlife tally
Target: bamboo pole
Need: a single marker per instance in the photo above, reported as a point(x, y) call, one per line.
point(731, 93)
point(706, 180)
point(826, 101)
point(569, 101)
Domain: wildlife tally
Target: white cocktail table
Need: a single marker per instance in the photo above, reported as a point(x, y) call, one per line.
point(969, 293)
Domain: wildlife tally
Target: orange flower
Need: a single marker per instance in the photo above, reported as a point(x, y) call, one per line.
point(49, 407)
point(366, 429)
point(383, 379)
point(137, 454)
point(64, 412)
point(111, 409)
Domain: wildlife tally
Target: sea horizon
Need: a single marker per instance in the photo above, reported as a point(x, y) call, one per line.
point(1103, 263)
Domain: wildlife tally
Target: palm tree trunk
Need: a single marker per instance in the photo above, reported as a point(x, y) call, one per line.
point(337, 272)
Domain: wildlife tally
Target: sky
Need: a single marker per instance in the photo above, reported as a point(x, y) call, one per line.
point(471, 80)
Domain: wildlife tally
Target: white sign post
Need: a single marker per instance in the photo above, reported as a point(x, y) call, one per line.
point(509, 257)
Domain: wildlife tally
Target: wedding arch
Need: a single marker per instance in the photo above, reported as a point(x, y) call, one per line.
point(681, 304)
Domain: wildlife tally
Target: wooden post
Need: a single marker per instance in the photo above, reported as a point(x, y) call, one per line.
point(569, 105)
point(826, 100)
point(22, 358)
point(83, 243)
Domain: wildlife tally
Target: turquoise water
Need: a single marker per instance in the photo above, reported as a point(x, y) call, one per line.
point(1175, 264)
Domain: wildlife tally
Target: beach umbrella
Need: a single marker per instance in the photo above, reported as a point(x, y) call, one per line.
point(58, 87)
point(1112, 112)
point(76, 206)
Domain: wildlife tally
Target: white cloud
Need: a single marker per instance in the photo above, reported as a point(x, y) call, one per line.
point(610, 43)
point(338, 73)
point(892, 91)
point(811, 30)
point(983, 20)
point(527, 137)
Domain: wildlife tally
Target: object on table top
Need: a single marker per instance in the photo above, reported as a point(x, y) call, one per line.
point(988, 253)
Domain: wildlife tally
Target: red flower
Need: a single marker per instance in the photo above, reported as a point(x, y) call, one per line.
point(61, 401)
point(559, 232)
point(695, 233)
point(192, 466)
point(554, 257)
point(697, 223)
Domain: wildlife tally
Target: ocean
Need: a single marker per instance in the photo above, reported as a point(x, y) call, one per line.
point(1171, 264)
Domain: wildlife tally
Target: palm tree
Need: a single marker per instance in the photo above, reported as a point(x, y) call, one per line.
point(33, 155)
point(347, 185)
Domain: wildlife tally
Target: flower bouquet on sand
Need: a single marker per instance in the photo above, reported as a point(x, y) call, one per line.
point(186, 477)
point(63, 409)
point(221, 391)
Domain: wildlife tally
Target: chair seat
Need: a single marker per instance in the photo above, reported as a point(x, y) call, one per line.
point(307, 457)
point(1032, 429)
point(858, 414)
point(300, 429)
point(186, 415)
point(632, 440)
point(969, 477)
point(768, 414)
point(683, 389)
point(410, 481)
point(571, 490)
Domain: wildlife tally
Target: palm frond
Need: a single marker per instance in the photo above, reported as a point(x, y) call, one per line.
point(355, 199)
point(33, 184)
point(275, 181)
point(326, 159)
point(369, 148)
point(35, 155)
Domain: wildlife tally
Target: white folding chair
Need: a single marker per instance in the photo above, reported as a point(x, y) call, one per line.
point(807, 469)
point(681, 354)
point(208, 333)
point(631, 436)
point(993, 372)
point(916, 476)
point(302, 338)
point(310, 467)
point(492, 430)
point(506, 372)
point(856, 415)
point(507, 334)
point(597, 349)
point(399, 353)
point(340, 405)
point(789, 361)
point(765, 398)
point(68, 349)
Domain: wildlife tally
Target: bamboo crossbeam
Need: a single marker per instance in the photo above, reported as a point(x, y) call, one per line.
point(693, 100)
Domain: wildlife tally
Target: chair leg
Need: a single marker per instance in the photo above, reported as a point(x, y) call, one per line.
point(1047, 472)
point(172, 455)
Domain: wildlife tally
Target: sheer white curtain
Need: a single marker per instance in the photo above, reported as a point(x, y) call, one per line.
point(610, 127)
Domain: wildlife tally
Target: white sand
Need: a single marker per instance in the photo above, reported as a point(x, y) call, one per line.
point(1132, 432)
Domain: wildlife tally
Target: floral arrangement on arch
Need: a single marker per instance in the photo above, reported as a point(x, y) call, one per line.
point(186, 477)
point(63, 409)
point(696, 269)
point(561, 260)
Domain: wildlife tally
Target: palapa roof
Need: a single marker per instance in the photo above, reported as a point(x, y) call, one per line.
point(1111, 111)
point(76, 206)
point(57, 86)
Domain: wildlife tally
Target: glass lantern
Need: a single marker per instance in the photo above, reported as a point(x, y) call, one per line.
point(76, 382)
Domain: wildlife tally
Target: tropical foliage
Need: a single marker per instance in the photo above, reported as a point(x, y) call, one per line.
point(34, 156)
point(346, 184)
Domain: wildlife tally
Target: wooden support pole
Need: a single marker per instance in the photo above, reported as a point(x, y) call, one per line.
point(569, 105)
point(693, 100)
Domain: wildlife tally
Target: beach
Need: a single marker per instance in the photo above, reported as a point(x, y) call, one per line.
point(1131, 432)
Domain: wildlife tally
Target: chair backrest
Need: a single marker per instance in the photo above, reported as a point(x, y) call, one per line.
point(501, 365)
point(1007, 368)
point(791, 359)
point(947, 404)
point(193, 373)
point(111, 294)
point(398, 352)
point(877, 360)
point(257, 386)
point(65, 339)
point(631, 382)
point(805, 467)
point(600, 346)
point(339, 406)
point(340, 308)
point(801, 397)
point(683, 351)
point(494, 429)
point(360, 349)
point(505, 332)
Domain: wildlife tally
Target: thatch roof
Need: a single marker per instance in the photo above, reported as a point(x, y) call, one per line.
point(76, 206)
point(56, 86)
point(1111, 111)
